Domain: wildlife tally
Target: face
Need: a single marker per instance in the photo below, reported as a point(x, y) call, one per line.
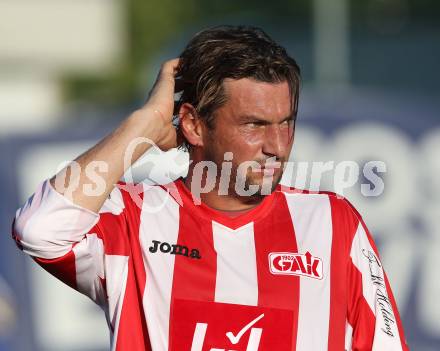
point(255, 124)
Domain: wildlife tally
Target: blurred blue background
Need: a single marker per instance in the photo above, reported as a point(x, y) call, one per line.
point(71, 70)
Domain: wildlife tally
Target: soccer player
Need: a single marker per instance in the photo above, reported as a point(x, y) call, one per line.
point(225, 258)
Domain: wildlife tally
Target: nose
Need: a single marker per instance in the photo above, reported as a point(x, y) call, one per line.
point(276, 140)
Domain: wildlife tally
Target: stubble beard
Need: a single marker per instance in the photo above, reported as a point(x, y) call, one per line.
point(266, 184)
point(250, 179)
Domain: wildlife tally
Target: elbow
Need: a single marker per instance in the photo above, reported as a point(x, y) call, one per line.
point(47, 225)
point(37, 236)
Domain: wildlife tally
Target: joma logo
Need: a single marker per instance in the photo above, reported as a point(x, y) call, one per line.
point(174, 249)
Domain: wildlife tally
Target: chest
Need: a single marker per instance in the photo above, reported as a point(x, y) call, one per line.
point(254, 264)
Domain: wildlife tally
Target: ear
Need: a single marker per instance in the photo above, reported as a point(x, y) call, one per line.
point(191, 125)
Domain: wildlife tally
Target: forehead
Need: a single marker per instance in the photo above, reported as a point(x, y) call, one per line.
point(255, 98)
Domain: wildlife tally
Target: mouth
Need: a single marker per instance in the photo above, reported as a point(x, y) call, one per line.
point(268, 170)
point(273, 166)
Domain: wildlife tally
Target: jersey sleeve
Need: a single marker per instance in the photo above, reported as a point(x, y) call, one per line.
point(373, 318)
point(71, 242)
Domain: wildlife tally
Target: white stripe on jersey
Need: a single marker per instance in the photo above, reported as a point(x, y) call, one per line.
point(117, 275)
point(236, 278)
point(348, 336)
point(360, 240)
point(49, 223)
point(116, 268)
point(89, 267)
point(159, 267)
point(311, 216)
point(114, 204)
point(359, 250)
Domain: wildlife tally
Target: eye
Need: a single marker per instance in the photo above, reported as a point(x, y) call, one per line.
point(255, 124)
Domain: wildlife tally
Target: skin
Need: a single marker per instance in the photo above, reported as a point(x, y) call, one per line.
point(255, 124)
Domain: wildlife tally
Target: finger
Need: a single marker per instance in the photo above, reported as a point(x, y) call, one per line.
point(166, 75)
point(166, 71)
point(169, 67)
point(163, 86)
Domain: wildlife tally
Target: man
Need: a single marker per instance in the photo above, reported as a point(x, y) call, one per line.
point(226, 258)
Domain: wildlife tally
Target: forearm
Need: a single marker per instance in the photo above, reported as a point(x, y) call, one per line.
point(111, 152)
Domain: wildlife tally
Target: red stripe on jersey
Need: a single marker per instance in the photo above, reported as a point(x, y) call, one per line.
point(119, 242)
point(132, 333)
point(344, 228)
point(360, 316)
point(114, 245)
point(194, 278)
point(275, 233)
point(62, 267)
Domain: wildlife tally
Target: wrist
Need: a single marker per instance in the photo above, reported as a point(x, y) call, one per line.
point(148, 122)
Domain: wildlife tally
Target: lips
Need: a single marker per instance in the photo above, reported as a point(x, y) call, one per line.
point(269, 166)
point(268, 169)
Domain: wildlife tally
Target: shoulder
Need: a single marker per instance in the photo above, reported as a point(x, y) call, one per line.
point(343, 212)
point(309, 195)
point(135, 196)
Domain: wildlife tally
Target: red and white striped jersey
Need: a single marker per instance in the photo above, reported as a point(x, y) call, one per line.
point(298, 272)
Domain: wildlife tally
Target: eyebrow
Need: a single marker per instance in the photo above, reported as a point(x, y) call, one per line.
point(256, 118)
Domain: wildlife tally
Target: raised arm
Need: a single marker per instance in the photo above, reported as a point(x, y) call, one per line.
point(152, 121)
point(75, 236)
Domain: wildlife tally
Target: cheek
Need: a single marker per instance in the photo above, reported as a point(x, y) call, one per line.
point(246, 146)
point(249, 139)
